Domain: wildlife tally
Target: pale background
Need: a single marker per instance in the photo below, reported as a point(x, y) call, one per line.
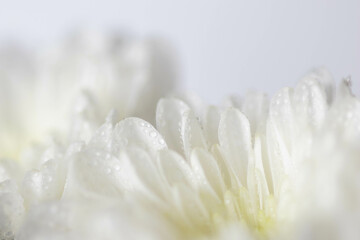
point(223, 46)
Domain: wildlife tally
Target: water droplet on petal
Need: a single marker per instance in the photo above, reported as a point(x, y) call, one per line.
point(153, 134)
point(161, 141)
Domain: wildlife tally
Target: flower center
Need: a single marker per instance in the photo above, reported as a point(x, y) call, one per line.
point(238, 207)
point(258, 216)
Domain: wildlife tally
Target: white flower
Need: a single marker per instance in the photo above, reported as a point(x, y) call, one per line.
point(67, 91)
point(287, 168)
point(281, 169)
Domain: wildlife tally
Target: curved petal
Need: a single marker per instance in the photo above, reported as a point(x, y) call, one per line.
point(192, 133)
point(345, 112)
point(224, 169)
point(212, 120)
point(235, 139)
point(47, 183)
point(175, 169)
point(207, 171)
point(282, 116)
point(309, 101)
point(146, 172)
point(279, 157)
point(93, 173)
point(101, 174)
point(190, 204)
point(169, 114)
point(326, 80)
point(139, 133)
point(195, 103)
point(255, 107)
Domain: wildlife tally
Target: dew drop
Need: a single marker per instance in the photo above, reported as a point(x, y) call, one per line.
point(161, 141)
point(153, 134)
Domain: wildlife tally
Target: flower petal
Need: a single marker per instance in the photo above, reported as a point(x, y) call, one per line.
point(92, 173)
point(207, 171)
point(175, 169)
point(169, 117)
point(235, 139)
point(194, 102)
point(345, 113)
point(44, 184)
point(137, 132)
point(282, 117)
point(309, 101)
point(212, 119)
point(192, 133)
point(326, 80)
point(224, 169)
point(280, 162)
point(145, 169)
point(255, 107)
point(191, 205)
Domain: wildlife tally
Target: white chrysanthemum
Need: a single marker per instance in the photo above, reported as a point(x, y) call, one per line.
point(67, 91)
point(287, 168)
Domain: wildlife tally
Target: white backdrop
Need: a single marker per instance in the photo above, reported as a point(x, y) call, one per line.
point(223, 46)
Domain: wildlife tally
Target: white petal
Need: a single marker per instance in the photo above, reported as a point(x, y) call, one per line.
point(255, 107)
point(224, 169)
point(310, 103)
point(256, 183)
point(169, 117)
point(175, 169)
point(194, 102)
point(93, 173)
point(326, 80)
point(212, 119)
point(102, 139)
point(85, 117)
point(261, 164)
point(235, 139)
point(207, 171)
point(279, 158)
point(233, 101)
point(282, 117)
point(146, 171)
point(139, 133)
point(100, 174)
point(345, 112)
point(192, 133)
point(191, 205)
point(44, 184)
